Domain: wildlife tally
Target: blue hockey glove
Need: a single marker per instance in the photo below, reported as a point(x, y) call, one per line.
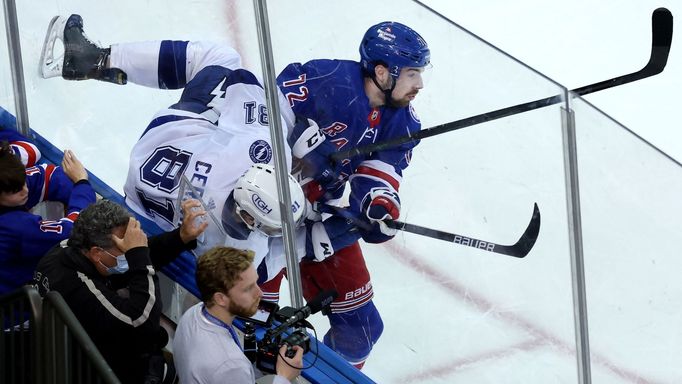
point(310, 145)
point(380, 204)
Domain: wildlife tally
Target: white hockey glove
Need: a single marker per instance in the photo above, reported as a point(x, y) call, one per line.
point(310, 145)
point(308, 137)
point(321, 243)
point(328, 236)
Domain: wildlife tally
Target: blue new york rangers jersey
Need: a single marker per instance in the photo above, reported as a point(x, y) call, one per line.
point(343, 112)
point(27, 237)
point(23, 149)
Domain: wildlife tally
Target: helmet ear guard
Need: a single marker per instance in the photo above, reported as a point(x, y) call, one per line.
point(256, 195)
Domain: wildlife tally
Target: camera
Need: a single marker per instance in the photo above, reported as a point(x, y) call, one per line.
point(264, 350)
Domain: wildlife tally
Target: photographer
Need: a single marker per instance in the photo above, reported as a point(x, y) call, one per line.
point(206, 348)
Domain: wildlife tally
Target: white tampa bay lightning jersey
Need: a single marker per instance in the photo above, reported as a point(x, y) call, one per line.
point(217, 130)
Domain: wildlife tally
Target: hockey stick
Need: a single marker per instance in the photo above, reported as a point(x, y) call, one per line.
point(662, 34)
point(519, 249)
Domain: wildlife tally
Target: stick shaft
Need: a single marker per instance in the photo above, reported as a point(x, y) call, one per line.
point(662, 30)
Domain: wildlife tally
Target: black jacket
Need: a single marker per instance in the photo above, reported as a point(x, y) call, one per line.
point(124, 326)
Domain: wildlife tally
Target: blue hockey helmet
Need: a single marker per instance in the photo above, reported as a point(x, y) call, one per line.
point(394, 45)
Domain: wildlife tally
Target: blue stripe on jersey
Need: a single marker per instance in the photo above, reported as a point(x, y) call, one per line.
point(172, 64)
point(242, 76)
point(201, 89)
point(161, 120)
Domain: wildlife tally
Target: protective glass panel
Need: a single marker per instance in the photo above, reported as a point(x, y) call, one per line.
point(631, 217)
point(102, 121)
point(214, 233)
point(451, 312)
point(6, 92)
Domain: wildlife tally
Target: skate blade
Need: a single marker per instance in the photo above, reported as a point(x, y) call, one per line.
point(50, 66)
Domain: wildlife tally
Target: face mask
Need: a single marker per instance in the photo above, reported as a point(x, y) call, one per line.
point(120, 267)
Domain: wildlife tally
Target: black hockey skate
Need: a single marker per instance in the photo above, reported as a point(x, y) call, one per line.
point(82, 59)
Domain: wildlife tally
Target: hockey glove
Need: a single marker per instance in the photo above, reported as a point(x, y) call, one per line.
point(309, 144)
point(380, 204)
point(324, 238)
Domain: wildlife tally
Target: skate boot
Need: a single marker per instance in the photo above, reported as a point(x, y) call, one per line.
point(82, 59)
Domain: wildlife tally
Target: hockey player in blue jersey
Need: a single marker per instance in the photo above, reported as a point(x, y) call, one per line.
point(24, 236)
point(342, 104)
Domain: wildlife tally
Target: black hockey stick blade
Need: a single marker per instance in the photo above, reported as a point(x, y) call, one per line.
point(519, 249)
point(661, 38)
point(662, 34)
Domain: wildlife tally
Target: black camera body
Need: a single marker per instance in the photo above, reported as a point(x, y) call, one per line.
point(264, 352)
point(268, 349)
point(292, 326)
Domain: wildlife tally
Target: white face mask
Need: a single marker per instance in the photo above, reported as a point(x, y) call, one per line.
point(120, 267)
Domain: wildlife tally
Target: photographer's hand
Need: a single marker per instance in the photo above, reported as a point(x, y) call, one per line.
point(287, 367)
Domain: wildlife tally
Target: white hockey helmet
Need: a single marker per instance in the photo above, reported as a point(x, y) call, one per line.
point(256, 194)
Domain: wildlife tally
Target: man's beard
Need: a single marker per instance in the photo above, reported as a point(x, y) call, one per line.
point(240, 311)
point(400, 103)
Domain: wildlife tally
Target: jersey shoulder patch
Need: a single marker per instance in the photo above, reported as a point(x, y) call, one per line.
point(260, 151)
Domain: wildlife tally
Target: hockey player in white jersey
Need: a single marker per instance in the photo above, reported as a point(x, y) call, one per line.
point(199, 147)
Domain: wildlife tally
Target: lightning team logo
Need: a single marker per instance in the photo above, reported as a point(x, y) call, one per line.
point(260, 152)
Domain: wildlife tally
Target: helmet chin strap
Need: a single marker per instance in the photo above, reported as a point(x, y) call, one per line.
point(387, 92)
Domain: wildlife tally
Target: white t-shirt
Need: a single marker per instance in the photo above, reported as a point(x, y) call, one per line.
point(206, 353)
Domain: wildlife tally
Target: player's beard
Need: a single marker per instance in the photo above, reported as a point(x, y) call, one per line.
point(403, 101)
point(400, 103)
point(240, 311)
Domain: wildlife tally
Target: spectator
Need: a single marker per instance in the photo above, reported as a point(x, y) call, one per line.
point(106, 273)
point(206, 347)
point(24, 236)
